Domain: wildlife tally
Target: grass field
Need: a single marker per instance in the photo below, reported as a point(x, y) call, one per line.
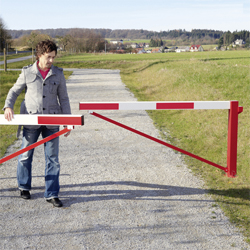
point(206, 76)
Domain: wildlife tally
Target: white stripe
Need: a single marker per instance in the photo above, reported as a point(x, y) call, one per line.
point(20, 120)
point(137, 105)
point(212, 105)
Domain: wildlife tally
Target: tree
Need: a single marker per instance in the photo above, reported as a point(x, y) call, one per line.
point(221, 41)
point(5, 38)
point(64, 41)
point(33, 39)
point(85, 41)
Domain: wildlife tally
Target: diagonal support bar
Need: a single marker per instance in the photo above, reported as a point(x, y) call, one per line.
point(159, 141)
point(48, 138)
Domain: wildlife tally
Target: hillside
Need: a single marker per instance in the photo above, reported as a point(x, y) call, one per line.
point(180, 36)
point(129, 33)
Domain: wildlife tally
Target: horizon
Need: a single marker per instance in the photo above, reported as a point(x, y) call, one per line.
point(129, 29)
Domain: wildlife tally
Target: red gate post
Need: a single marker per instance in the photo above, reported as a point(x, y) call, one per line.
point(232, 139)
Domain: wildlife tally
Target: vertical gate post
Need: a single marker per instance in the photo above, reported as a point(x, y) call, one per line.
point(232, 139)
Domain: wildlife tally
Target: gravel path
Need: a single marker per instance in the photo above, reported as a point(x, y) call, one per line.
point(120, 190)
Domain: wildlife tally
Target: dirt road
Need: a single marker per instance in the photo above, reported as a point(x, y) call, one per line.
point(120, 190)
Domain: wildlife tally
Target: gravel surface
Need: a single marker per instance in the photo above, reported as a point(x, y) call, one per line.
point(119, 190)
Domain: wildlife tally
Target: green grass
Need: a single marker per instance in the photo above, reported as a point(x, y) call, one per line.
point(204, 132)
point(8, 132)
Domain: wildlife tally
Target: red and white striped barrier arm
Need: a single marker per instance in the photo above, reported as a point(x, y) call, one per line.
point(154, 105)
point(68, 120)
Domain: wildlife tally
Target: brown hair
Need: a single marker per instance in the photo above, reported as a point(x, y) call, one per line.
point(43, 47)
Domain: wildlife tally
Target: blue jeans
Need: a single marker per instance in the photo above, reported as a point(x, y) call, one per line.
point(52, 167)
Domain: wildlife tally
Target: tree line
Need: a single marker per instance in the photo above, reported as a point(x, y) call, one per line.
point(77, 40)
point(139, 34)
point(86, 40)
point(127, 33)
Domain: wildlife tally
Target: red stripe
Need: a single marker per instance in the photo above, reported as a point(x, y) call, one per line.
point(99, 106)
point(179, 105)
point(53, 120)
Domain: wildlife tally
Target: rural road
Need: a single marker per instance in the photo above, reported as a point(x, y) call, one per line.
point(16, 59)
point(120, 191)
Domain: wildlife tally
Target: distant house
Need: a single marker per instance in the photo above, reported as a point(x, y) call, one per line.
point(116, 42)
point(172, 49)
point(119, 51)
point(238, 42)
point(182, 49)
point(141, 51)
point(134, 45)
point(195, 48)
point(142, 45)
point(156, 50)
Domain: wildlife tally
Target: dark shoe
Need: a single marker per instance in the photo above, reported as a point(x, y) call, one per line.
point(25, 194)
point(56, 202)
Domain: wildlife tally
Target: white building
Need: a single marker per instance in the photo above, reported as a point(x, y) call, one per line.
point(182, 49)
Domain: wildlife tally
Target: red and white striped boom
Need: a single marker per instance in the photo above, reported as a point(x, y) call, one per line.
point(44, 120)
point(154, 105)
point(69, 120)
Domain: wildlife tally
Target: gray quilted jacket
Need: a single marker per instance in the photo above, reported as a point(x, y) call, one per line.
point(42, 96)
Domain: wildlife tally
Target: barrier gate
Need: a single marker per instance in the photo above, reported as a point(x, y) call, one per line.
point(232, 106)
point(72, 120)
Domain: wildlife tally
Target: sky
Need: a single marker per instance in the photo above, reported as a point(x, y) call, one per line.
point(153, 15)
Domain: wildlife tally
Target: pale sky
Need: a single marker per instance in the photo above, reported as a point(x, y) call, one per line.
point(155, 15)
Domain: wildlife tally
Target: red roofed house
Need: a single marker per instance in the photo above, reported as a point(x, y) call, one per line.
point(195, 48)
point(156, 51)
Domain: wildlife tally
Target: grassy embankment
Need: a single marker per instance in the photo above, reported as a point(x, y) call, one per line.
point(190, 77)
point(8, 133)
